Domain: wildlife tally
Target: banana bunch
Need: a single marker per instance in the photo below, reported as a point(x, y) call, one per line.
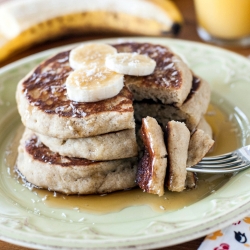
point(25, 23)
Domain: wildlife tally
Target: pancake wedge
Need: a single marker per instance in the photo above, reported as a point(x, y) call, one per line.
point(204, 125)
point(152, 167)
point(199, 146)
point(177, 142)
point(171, 80)
point(190, 112)
point(191, 180)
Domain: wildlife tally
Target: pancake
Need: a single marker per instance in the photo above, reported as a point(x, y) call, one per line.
point(46, 169)
point(111, 146)
point(44, 107)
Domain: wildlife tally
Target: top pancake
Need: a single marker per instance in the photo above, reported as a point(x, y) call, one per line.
point(45, 108)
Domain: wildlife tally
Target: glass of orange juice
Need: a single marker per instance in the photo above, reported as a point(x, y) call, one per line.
point(225, 22)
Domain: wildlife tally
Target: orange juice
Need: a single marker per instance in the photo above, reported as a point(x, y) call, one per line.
point(224, 19)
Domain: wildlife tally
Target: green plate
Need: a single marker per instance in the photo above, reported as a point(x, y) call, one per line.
point(27, 221)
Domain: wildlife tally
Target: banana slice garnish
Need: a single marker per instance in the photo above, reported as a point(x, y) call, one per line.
point(130, 64)
point(93, 84)
point(99, 71)
point(90, 55)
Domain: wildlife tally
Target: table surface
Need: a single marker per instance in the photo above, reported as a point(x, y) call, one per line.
point(188, 32)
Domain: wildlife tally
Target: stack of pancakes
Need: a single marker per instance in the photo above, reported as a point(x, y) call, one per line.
point(87, 148)
point(74, 147)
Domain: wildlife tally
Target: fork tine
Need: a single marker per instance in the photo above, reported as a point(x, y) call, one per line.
point(219, 170)
point(211, 171)
point(218, 157)
point(215, 161)
point(208, 171)
point(218, 165)
point(243, 166)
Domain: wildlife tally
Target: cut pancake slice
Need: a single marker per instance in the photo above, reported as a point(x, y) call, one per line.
point(191, 180)
point(111, 146)
point(171, 80)
point(177, 141)
point(204, 125)
point(200, 144)
point(46, 169)
point(45, 108)
point(190, 112)
point(196, 104)
point(152, 167)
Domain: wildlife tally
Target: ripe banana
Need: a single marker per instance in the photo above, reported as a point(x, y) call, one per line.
point(25, 23)
point(130, 64)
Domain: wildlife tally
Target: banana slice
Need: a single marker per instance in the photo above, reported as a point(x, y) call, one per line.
point(130, 64)
point(92, 84)
point(90, 55)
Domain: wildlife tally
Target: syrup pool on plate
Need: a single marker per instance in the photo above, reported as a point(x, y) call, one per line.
point(227, 136)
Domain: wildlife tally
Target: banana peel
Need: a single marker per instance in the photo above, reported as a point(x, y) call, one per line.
point(26, 23)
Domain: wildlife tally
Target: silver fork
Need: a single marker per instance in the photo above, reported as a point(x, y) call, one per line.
point(226, 163)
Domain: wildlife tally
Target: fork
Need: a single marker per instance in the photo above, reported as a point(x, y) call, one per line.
point(234, 161)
